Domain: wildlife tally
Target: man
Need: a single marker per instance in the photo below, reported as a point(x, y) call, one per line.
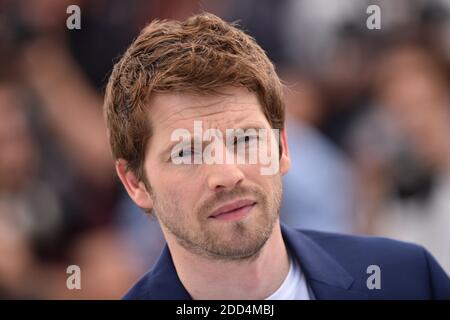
point(202, 79)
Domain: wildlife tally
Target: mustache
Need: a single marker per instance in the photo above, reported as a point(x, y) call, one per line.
point(225, 196)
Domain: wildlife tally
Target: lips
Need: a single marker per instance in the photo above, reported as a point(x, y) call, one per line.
point(232, 207)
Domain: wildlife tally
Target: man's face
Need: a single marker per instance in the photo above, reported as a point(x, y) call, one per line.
point(187, 197)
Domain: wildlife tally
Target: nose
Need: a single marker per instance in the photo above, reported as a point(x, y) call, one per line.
point(224, 177)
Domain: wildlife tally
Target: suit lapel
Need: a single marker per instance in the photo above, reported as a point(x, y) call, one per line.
point(326, 277)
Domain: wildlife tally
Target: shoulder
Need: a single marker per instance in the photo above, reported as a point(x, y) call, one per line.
point(403, 266)
point(343, 246)
point(140, 290)
point(160, 283)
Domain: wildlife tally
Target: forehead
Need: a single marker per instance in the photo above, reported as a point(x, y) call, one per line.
point(233, 108)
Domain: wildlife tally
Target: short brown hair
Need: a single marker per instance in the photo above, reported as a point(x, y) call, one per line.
point(202, 55)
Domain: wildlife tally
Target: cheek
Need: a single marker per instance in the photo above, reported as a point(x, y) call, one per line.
point(253, 174)
point(269, 183)
point(175, 194)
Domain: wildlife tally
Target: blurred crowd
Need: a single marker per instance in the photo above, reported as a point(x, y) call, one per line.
point(368, 126)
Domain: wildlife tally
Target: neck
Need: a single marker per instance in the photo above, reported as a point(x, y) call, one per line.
point(254, 279)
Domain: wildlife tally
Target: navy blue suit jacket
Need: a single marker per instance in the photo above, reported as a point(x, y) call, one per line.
point(335, 267)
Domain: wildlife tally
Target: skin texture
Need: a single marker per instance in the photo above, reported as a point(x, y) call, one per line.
point(242, 259)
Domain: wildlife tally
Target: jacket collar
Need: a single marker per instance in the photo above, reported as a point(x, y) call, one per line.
point(326, 277)
point(163, 282)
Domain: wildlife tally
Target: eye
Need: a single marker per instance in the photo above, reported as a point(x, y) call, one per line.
point(184, 153)
point(245, 139)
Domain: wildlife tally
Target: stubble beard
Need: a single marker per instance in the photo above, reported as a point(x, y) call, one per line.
point(240, 240)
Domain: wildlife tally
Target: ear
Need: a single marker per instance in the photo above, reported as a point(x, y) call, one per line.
point(285, 160)
point(136, 189)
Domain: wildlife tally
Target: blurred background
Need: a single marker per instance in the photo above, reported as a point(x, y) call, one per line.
point(368, 125)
